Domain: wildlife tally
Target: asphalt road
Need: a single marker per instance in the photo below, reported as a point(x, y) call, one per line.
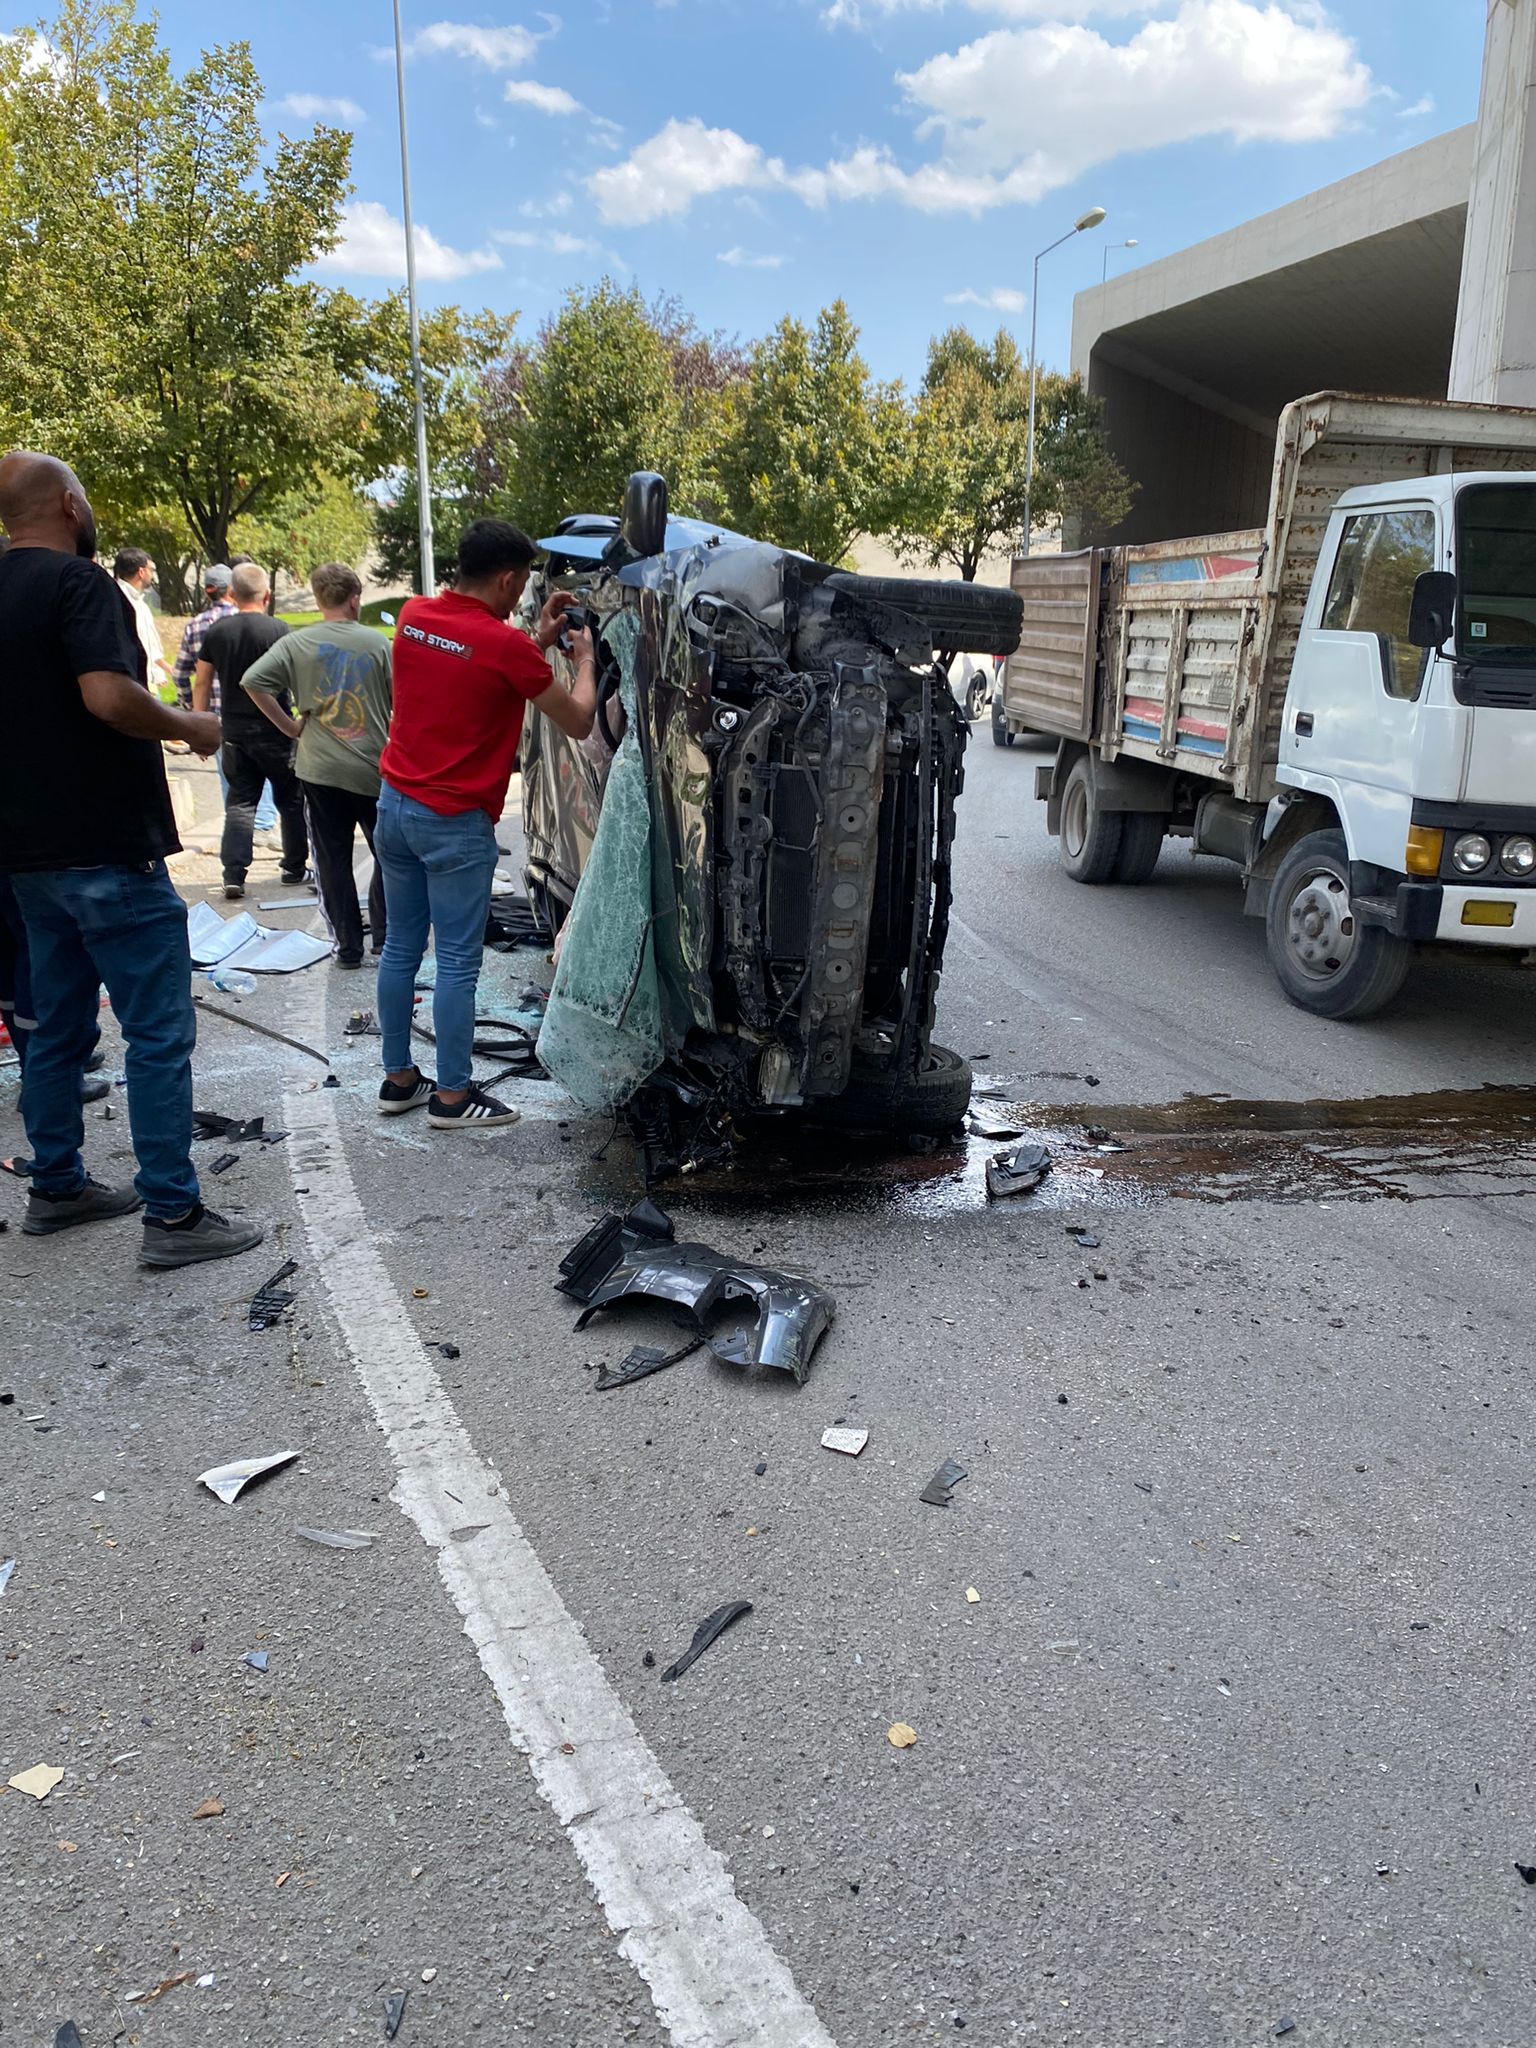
point(1239, 1730)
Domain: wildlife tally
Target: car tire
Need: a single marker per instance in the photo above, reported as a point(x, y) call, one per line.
point(1090, 836)
point(1141, 845)
point(975, 616)
point(929, 1104)
point(976, 694)
point(1001, 736)
point(1324, 958)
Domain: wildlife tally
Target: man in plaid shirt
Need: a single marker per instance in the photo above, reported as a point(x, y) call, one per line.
point(216, 582)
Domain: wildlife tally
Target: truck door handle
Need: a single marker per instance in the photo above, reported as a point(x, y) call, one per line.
point(1304, 725)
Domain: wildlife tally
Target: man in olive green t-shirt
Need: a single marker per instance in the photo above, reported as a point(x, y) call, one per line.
point(338, 676)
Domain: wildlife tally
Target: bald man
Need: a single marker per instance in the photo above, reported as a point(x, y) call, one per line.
point(85, 825)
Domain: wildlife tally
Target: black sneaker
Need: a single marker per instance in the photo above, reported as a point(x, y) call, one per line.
point(200, 1234)
point(233, 891)
point(478, 1111)
point(349, 959)
point(396, 1098)
point(293, 879)
point(95, 1091)
point(90, 1203)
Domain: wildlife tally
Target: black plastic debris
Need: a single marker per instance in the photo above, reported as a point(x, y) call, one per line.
point(394, 2013)
point(1527, 1872)
point(1085, 1239)
point(649, 1660)
point(760, 1467)
point(1285, 2027)
point(512, 921)
point(1018, 1172)
point(1142, 1485)
point(642, 1362)
point(269, 1301)
point(21, 1168)
point(943, 1483)
point(209, 1123)
point(331, 1081)
point(709, 1628)
point(224, 1162)
point(637, 1256)
point(68, 2036)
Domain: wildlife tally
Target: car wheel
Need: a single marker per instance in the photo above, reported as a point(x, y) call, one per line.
point(976, 697)
point(930, 1104)
point(1326, 960)
point(1001, 736)
point(1141, 845)
point(1090, 836)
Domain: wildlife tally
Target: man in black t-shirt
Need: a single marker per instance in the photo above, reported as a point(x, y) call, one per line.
point(85, 825)
point(255, 752)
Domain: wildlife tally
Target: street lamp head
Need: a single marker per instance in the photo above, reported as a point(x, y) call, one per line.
point(1131, 244)
point(1093, 218)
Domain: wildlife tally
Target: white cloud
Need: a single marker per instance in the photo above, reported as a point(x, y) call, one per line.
point(373, 245)
point(315, 106)
point(498, 49)
point(1001, 299)
point(1023, 111)
point(554, 208)
point(854, 13)
point(548, 99)
point(1420, 107)
point(552, 239)
point(38, 54)
point(743, 259)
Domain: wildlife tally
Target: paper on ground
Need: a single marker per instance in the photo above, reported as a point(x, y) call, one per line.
point(242, 942)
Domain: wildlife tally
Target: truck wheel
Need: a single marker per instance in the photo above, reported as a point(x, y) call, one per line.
point(1141, 845)
point(930, 1104)
point(1001, 736)
point(1327, 961)
point(1090, 836)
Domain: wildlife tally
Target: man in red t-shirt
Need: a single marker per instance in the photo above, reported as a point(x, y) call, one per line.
point(462, 679)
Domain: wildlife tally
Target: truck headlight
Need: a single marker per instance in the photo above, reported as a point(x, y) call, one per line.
point(1518, 857)
point(1471, 854)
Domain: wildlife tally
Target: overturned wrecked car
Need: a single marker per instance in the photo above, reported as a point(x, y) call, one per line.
point(764, 863)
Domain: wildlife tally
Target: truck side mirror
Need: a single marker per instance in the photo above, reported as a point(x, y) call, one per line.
point(1432, 616)
point(644, 520)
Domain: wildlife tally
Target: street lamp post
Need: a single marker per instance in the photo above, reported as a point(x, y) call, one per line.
point(1093, 218)
point(1113, 246)
point(423, 483)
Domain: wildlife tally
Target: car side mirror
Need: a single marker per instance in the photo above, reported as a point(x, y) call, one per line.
point(1432, 615)
point(644, 520)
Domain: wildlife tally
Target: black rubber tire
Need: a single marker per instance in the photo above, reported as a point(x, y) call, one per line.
point(1001, 736)
point(1090, 837)
point(1141, 845)
point(977, 693)
point(931, 1104)
point(1368, 978)
point(976, 616)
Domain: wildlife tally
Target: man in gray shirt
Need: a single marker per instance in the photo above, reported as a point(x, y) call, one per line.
point(337, 675)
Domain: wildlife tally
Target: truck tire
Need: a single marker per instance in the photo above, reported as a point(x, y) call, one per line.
point(1325, 959)
point(1141, 845)
point(929, 1104)
point(1090, 836)
point(975, 616)
point(1001, 736)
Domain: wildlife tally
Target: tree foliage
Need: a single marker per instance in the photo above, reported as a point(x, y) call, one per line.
point(810, 446)
point(966, 492)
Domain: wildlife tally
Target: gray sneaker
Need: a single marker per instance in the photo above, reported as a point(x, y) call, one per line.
point(201, 1235)
point(92, 1204)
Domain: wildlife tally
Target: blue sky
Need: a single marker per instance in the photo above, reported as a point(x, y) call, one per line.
point(766, 157)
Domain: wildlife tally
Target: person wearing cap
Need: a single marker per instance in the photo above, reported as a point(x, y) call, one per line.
point(216, 581)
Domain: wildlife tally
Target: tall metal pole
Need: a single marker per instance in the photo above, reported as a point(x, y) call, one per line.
point(423, 480)
point(1093, 218)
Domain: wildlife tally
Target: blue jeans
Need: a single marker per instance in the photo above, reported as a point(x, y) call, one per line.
point(437, 873)
point(126, 927)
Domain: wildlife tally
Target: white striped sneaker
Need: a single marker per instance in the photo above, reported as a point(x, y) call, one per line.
point(478, 1111)
point(396, 1097)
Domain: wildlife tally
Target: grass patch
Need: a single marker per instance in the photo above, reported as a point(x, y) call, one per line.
point(370, 615)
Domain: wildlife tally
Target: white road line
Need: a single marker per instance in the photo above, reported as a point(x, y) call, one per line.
point(712, 1973)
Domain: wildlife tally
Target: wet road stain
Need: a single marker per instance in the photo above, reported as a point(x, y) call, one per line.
point(1475, 1142)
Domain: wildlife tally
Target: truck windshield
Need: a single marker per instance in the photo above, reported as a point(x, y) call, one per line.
point(1496, 568)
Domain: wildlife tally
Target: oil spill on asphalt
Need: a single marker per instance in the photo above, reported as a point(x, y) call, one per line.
point(1474, 1142)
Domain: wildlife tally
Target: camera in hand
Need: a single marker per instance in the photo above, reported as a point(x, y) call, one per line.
point(578, 619)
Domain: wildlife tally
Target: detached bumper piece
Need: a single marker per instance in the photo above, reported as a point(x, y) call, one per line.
point(1411, 911)
point(626, 1258)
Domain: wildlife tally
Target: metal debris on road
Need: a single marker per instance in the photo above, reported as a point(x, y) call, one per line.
point(943, 1483)
point(262, 1030)
point(291, 903)
point(38, 1782)
point(1018, 1172)
point(849, 1441)
point(228, 1480)
point(257, 1659)
point(360, 1025)
point(636, 1256)
point(981, 1125)
point(165, 1984)
point(270, 1301)
point(211, 1809)
point(209, 1123)
point(223, 1163)
point(709, 1628)
point(340, 1539)
point(68, 2036)
point(1084, 1238)
point(901, 1735)
point(5, 1572)
point(394, 2013)
point(1285, 2027)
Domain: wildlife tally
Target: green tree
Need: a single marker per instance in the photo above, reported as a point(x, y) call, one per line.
point(470, 478)
point(964, 494)
point(331, 521)
point(810, 445)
